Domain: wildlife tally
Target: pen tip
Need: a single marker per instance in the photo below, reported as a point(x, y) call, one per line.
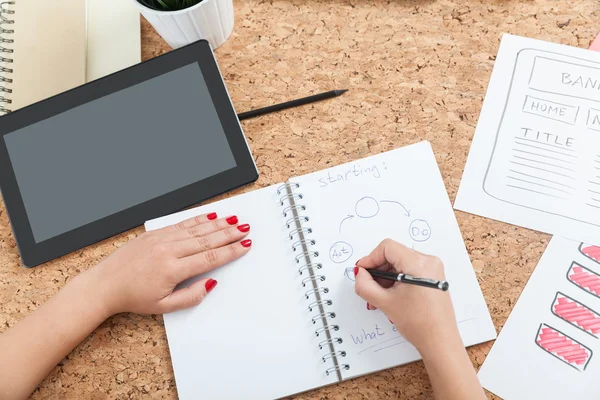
point(340, 92)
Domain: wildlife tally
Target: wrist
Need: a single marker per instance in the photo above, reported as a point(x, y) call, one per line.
point(90, 286)
point(437, 343)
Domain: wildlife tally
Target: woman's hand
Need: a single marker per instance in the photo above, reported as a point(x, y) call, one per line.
point(421, 315)
point(424, 316)
point(141, 276)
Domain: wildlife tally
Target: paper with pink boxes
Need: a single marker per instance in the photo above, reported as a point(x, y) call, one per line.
point(548, 346)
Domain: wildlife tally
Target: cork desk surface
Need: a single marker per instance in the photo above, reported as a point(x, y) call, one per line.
point(416, 70)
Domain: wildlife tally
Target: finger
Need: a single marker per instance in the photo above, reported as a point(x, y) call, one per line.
point(208, 260)
point(200, 230)
point(369, 290)
point(388, 251)
point(188, 247)
point(189, 296)
point(188, 223)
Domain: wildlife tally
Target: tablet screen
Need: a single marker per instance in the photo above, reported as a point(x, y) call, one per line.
point(118, 151)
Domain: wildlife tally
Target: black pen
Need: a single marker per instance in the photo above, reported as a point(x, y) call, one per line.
point(392, 276)
point(290, 104)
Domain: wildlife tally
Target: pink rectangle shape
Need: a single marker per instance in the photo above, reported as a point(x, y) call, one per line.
point(590, 251)
point(563, 347)
point(576, 313)
point(584, 278)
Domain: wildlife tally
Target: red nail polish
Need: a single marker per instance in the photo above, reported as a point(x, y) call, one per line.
point(212, 216)
point(246, 243)
point(244, 228)
point(232, 220)
point(210, 285)
point(355, 271)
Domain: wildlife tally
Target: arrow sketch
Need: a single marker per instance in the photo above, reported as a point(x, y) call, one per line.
point(407, 212)
point(347, 218)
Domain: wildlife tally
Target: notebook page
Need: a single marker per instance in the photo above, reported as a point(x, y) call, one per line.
point(352, 207)
point(113, 37)
point(49, 34)
point(252, 336)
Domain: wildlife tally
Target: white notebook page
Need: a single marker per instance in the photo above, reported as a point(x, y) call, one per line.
point(352, 207)
point(252, 336)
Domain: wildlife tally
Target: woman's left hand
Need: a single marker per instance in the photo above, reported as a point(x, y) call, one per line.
point(141, 276)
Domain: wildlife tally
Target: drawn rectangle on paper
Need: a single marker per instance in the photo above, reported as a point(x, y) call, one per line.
point(576, 313)
point(590, 251)
point(563, 347)
point(584, 278)
point(549, 109)
point(567, 78)
point(593, 119)
point(525, 167)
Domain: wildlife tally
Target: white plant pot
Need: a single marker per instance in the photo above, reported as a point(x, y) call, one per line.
point(210, 19)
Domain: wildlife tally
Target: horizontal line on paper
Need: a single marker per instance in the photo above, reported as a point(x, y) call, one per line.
point(551, 151)
point(535, 191)
point(543, 179)
point(542, 169)
point(591, 205)
point(543, 155)
point(539, 184)
point(544, 163)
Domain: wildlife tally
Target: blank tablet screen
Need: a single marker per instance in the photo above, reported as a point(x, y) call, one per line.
point(118, 151)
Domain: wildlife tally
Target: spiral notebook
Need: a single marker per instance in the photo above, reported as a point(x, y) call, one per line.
point(48, 47)
point(285, 318)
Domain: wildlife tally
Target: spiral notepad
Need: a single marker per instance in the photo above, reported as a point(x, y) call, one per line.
point(285, 318)
point(6, 51)
point(75, 41)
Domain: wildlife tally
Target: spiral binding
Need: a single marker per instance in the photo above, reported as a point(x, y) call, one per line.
point(309, 265)
point(302, 245)
point(5, 12)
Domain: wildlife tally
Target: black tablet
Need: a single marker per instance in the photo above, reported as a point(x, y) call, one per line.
point(107, 156)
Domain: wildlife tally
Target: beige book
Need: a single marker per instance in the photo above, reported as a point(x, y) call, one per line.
point(61, 44)
point(49, 49)
point(113, 37)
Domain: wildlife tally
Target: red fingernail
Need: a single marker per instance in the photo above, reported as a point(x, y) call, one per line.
point(210, 285)
point(246, 243)
point(232, 220)
point(368, 306)
point(355, 271)
point(212, 216)
point(243, 228)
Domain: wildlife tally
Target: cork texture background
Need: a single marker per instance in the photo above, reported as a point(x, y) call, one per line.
point(416, 70)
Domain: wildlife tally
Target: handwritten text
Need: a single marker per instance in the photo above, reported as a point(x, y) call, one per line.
point(368, 335)
point(355, 171)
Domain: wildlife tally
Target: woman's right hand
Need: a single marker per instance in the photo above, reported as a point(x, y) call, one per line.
point(423, 316)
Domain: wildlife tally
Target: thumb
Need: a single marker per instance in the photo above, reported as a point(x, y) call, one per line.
point(188, 296)
point(369, 290)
